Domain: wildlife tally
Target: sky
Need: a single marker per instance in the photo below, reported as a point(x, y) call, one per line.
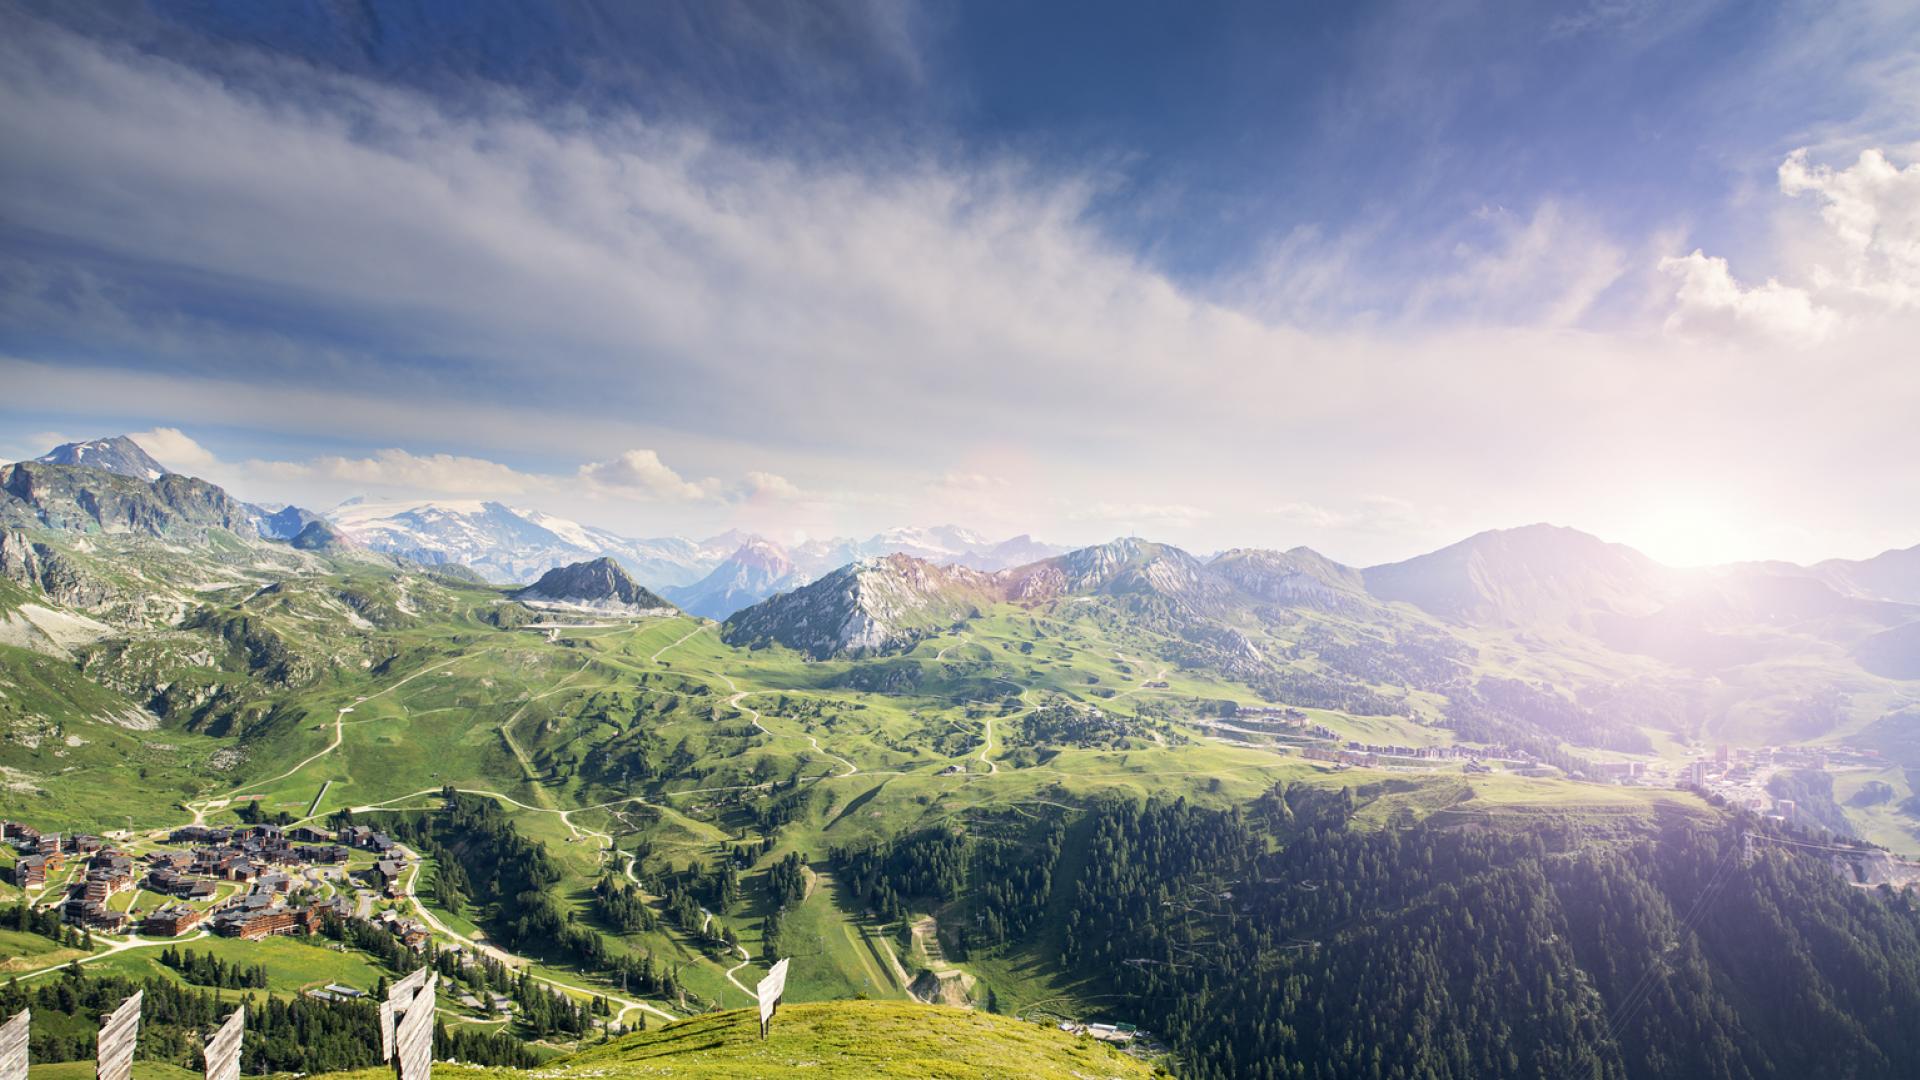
point(1367, 278)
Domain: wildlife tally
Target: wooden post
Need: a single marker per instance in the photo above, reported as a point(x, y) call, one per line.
point(223, 1050)
point(13, 1046)
point(399, 996)
point(119, 1033)
point(386, 1031)
point(413, 1034)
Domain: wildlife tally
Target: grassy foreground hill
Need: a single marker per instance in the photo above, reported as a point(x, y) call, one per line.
point(851, 1039)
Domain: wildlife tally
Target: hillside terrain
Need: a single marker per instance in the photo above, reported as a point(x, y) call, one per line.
point(1121, 784)
point(847, 1039)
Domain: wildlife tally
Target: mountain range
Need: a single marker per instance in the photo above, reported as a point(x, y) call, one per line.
point(715, 576)
point(859, 597)
point(1543, 581)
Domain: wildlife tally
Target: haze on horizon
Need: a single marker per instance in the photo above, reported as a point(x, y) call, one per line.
point(1367, 281)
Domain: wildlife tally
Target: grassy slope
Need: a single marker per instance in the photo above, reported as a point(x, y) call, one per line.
point(293, 965)
point(517, 713)
point(84, 1070)
point(854, 1040)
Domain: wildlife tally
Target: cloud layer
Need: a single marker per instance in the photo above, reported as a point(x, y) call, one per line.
point(644, 323)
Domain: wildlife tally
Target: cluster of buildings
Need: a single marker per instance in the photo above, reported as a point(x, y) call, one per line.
point(106, 872)
point(265, 859)
point(414, 935)
point(261, 914)
point(40, 854)
point(246, 854)
point(1373, 755)
point(1120, 1034)
point(1285, 717)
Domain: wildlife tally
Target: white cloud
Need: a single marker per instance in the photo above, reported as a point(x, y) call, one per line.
point(1863, 265)
point(1709, 299)
point(1375, 513)
point(398, 470)
point(768, 487)
point(1873, 210)
point(176, 450)
point(1127, 513)
point(641, 474)
point(958, 480)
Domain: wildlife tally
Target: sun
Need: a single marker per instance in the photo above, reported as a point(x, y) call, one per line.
point(1686, 532)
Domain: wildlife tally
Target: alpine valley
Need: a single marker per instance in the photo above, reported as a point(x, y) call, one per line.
point(1532, 804)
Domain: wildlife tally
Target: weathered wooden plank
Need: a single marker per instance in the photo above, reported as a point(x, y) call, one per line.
point(413, 1035)
point(13, 1046)
point(402, 992)
point(386, 1031)
point(223, 1050)
point(769, 992)
point(119, 1032)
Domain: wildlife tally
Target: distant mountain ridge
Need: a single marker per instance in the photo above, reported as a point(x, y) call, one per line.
point(510, 544)
point(756, 570)
point(1890, 575)
point(1532, 578)
point(905, 583)
point(1523, 575)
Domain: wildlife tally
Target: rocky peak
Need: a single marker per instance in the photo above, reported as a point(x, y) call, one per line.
point(597, 583)
point(870, 606)
point(116, 454)
point(763, 556)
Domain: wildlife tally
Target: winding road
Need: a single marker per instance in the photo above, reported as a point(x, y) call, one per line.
point(740, 696)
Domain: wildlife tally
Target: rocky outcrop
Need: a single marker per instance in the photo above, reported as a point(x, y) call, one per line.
point(75, 498)
point(39, 567)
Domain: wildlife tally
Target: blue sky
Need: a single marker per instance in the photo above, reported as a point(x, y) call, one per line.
point(1363, 277)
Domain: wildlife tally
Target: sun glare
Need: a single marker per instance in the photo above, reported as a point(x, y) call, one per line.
point(1687, 533)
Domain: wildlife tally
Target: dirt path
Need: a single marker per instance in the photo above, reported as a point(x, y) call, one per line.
point(737, 701)
point(113, 948)
point(506, 733)
point(339, 731)
point(655, 658)
point(942, 654)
